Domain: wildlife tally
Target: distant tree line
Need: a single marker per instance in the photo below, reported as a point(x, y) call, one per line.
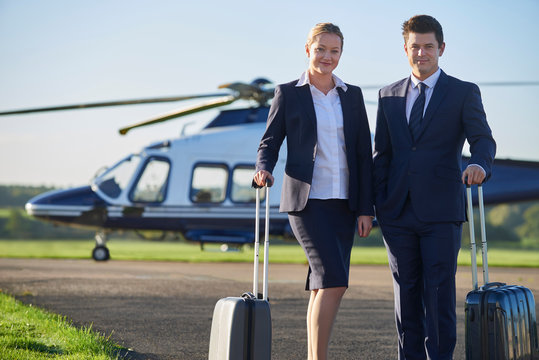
point(507, 225)
point(16, 224)
point(17, 195)
point(520, 220)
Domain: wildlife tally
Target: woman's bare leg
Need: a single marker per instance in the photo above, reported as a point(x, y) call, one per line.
point(322, 311)
point(309, 333)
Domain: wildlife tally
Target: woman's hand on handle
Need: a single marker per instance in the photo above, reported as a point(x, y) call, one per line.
point(364, 225)
point(261, 176)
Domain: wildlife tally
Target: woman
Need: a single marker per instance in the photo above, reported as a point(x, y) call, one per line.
point(327, 186)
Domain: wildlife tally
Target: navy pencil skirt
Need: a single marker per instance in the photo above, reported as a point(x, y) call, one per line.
point(325, 230)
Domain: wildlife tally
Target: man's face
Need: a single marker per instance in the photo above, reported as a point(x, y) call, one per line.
point(423, 52)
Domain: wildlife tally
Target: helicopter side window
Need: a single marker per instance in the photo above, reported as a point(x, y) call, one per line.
point(209, 183)
point(152, 183)
point(242, 191)
point(114, 181)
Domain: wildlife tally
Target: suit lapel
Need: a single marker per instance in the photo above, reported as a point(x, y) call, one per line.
point(440, 89)
point(347, 115)
point(400, 106)
point(306, 101)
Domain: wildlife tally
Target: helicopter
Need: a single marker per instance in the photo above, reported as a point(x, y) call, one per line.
point(199, 185)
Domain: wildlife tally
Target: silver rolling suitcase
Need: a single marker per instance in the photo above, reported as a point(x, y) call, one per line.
point(500, 320)
point(241, 326)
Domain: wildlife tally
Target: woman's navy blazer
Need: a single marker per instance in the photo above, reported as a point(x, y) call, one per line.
point(292, 115)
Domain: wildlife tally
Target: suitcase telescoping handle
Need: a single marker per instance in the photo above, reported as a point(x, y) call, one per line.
point(257, 243)
point(473, 248)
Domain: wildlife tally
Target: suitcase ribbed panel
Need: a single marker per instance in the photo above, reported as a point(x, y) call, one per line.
point(500, 319)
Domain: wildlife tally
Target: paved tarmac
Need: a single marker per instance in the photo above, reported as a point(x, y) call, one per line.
point(163, 310)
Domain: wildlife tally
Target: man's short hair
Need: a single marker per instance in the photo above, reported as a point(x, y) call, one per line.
point(423, 24)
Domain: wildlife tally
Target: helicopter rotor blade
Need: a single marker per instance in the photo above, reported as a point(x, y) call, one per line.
point(109, 103)
point(508, 83)
point(484, 83)
point(253, 91)
point(182, 112)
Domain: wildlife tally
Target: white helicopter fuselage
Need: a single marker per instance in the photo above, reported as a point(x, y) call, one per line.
point(198, 185)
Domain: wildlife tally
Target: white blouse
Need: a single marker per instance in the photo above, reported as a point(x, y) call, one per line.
point(330, 175)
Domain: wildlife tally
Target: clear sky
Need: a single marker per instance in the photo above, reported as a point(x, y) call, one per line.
point(60, 52)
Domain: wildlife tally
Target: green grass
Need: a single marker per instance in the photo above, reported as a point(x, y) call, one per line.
point(30, 333)
point(187, 252)
point(4, 212)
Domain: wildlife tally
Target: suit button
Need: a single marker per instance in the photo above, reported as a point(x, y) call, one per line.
point(414, 148)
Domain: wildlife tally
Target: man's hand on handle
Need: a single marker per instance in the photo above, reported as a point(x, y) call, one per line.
point(473, 175)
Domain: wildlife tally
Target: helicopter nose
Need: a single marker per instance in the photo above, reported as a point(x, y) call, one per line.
point(64, 202)
point(83, 195)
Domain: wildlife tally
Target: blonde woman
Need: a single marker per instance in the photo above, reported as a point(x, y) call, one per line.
point(327, 187)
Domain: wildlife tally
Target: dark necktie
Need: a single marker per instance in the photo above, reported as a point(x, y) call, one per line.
point(416, 115)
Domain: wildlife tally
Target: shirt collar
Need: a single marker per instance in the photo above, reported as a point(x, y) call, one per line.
point(304, 80)
point(430, 81)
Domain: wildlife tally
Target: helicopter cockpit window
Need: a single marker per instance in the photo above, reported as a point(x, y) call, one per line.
point(242, 191)
point(152, 183)
point(115, 180)
point(209, 183)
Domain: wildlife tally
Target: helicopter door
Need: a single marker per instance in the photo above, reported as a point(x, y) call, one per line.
point(209, 183)
point(241, 191)
point(151, 185)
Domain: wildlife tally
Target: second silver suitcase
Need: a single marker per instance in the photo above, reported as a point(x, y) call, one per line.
point(500, 321)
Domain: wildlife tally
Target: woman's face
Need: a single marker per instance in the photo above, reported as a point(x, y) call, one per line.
point(324, 53)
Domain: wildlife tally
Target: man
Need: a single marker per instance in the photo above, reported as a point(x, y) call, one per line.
point(422, 123)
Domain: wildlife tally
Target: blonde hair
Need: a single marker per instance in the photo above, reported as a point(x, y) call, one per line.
point(321, 28)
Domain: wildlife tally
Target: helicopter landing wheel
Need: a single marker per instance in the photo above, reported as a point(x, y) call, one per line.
point(101, 253)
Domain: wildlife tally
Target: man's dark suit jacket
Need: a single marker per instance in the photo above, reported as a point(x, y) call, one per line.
point(429, 169)
point(292, 115)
